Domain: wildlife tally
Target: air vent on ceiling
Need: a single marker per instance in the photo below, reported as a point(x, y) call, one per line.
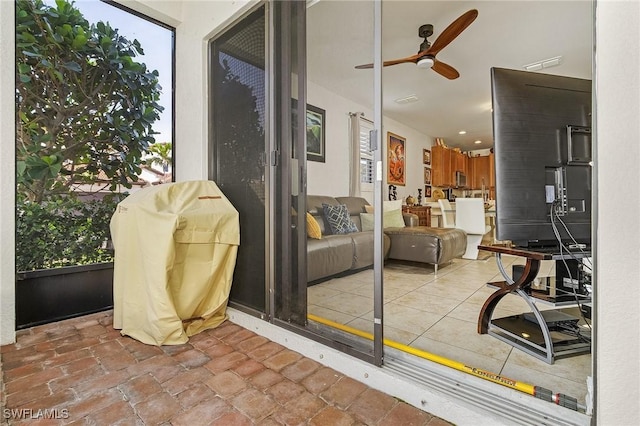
point(545, 63)
point(407, 99)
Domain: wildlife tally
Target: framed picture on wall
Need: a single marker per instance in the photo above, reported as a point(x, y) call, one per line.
point(427, 191)
point(315, 134)
point(396, 164)
point(427, 176)
point(426, 157)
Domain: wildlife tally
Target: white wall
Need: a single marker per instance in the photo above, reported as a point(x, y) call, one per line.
point(7, 173)
point(479, 152)
point(414, 168)
point(617, 288)
point(332, 177)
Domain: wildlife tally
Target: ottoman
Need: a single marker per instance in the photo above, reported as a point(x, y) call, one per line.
point(425, 244)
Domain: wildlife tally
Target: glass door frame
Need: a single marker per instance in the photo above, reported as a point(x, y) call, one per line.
point(378, 160)
point(290, 19)
point(214, 161)
point(285, 178)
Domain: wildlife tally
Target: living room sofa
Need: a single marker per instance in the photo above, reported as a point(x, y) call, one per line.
point(333, 254)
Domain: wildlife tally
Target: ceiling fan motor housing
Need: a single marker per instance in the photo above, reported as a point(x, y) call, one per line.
point(425, 30)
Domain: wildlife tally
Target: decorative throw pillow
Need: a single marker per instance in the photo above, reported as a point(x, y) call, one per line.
point(387, 206)
point(366, 219)
point(338, 219)
point(391, 219)
point(313, 229)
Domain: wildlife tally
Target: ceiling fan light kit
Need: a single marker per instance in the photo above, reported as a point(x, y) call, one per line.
point(426, 56)
point(426, 62)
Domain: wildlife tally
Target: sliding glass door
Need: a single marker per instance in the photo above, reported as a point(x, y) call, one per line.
point(238, 127)
point(344, 293)
point(288, 284)
point(273, 137)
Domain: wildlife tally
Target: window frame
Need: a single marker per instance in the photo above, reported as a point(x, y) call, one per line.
point(366, 154)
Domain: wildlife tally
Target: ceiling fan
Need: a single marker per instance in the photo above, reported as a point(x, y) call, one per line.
point(426, 56)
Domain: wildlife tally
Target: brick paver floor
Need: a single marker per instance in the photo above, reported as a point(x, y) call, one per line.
point(82, 371)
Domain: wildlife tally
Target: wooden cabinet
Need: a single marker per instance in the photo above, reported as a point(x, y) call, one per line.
point(482, 170)
point(492, 171)
point(423, 213)
point(471, 173)
point(458, 163)
point(441, 174)
point(445, 163)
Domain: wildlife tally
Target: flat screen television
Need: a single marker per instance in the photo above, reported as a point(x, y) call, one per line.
point(543, 162)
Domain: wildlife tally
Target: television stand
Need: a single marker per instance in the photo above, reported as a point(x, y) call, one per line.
point(543, 336)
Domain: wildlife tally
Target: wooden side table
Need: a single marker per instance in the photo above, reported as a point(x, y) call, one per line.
point(423, 213)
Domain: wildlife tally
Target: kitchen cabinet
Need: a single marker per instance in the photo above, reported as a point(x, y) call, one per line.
point(441, 174)
point(445, 163)
point(492, 170)
point(482, 170)
point(458, 163)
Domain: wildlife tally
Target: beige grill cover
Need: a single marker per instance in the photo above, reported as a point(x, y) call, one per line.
point(175, 252)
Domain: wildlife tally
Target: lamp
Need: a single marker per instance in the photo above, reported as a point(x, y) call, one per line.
point(425, 62)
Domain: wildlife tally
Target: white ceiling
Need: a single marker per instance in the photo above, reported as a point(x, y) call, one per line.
point(507, 34)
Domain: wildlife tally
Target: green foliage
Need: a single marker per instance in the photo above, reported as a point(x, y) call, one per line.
point(63, 231)
point(85, 108)
point(239, 130)
point(160, 154)
point(84, 104)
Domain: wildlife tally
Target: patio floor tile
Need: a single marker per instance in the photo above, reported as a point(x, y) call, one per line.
point(82, 371)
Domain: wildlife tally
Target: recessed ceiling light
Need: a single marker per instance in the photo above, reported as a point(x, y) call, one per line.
point(462, 132)
point(477, 142)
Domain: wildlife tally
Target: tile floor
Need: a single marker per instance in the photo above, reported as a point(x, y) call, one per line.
point(82, 371)
point(439, 314)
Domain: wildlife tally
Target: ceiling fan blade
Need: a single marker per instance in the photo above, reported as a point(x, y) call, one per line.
point(452, 31)
point(412, 59)
point(445, 70)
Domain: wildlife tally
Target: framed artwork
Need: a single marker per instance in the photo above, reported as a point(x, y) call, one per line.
point(426, 157)
point(427, 176)
point(315, 134)
point(427, 191)
point(396, 162)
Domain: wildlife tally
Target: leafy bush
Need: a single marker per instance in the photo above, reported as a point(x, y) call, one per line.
point(63, 231)
point(85, 107)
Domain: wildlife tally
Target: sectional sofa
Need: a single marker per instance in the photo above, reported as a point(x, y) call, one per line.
point(333, 254)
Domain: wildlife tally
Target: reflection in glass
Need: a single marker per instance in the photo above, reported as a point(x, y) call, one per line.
point(238, 84)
